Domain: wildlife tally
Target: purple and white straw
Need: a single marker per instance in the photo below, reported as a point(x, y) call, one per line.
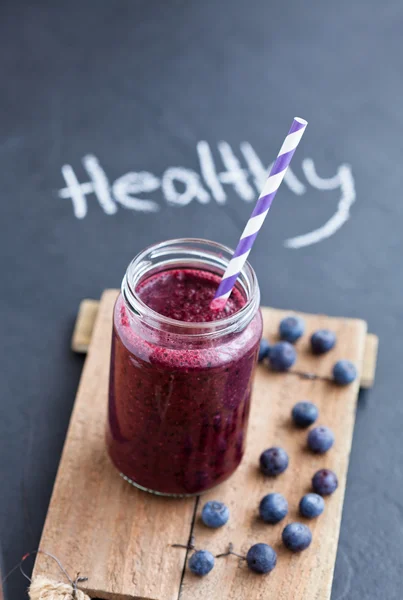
point(260, 211)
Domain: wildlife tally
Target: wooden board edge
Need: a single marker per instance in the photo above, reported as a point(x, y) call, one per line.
point(84, 325)
point(88, 310)
point(369, 361)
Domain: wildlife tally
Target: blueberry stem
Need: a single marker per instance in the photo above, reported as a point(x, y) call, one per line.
point(304, 375)
point(310, 376)
point(231, 551)
point(189, 546)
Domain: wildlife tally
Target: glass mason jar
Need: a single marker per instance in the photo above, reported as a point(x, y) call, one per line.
point(180, 392)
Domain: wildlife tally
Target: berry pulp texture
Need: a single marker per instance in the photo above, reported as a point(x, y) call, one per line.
point(178, 409)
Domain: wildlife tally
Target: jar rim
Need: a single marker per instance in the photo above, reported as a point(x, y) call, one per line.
point(202, 254)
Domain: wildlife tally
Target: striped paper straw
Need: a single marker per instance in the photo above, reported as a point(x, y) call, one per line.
point(259, 212)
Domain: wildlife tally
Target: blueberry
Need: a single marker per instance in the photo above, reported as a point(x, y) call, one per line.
point(311, 505)
point(320, 439)
point(201, 562)
point(344, 372)
point(291, 329)
point(261, 558)
point(296, 537)
point(215, 514)
point(304, 414)
point(324, 482)
point(273, 508)
point(322, 341)
point(264, 349)
point(282, 356)
point(273, 461)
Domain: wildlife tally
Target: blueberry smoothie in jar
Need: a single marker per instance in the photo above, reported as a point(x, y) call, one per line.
point(181, 373)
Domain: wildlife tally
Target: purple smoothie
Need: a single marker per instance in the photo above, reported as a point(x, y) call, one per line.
point(179, 407)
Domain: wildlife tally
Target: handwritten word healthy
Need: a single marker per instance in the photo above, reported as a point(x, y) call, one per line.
point(181, 186)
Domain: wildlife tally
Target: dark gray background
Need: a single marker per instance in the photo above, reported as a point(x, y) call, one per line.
point(138, 84)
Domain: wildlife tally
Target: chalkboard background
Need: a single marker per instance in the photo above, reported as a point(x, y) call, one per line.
point(138, 85)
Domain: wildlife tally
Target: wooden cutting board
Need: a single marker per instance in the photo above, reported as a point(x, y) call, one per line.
point(121, 538)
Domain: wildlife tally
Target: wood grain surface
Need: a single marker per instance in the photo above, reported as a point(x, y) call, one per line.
point(120, 538)
point(97, 524)
point(308, 575)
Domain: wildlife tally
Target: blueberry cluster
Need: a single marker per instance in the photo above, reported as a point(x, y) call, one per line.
point(283, 355)
point(260, 558)
point(273, 508)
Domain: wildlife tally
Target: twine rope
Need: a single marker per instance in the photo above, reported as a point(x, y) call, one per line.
point(43, 588)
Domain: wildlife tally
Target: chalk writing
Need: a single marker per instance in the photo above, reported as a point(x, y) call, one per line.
point(181, 186)
point(343, 180)
point(193, 187)
point(135, 183)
